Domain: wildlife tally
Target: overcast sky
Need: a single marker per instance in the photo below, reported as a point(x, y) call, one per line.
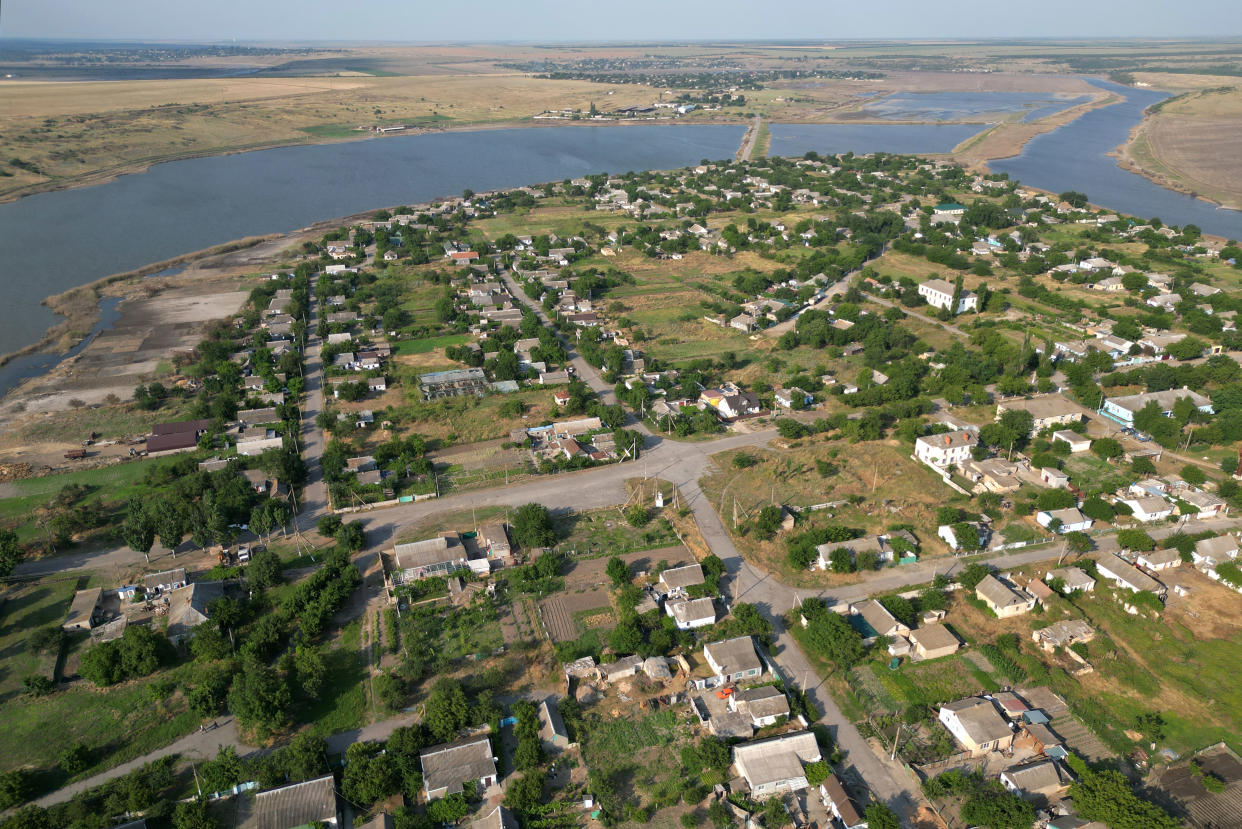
point(578, 20)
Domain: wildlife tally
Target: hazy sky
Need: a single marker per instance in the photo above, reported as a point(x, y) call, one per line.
point(552, 20)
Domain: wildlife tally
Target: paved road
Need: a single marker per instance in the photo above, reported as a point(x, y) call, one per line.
point(582, 369)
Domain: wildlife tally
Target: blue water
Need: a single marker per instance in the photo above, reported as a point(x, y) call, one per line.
point(56, 241)
point(961, 106)
point(33, 365)
point(1075, 157)
point(797, 139)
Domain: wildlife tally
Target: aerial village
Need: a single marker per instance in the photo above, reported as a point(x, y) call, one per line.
point(826, 492)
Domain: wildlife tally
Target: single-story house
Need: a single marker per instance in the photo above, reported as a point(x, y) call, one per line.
point(1067, 520)
point(187, 608)
point(839, 803)
point(1002, 599)
point(1207, 504)
point(675, 581)
point(84, 609)
point(1053, 478)
point(771, 767)
point(498, 818)
point(879, 619)
point(933, 641)
point(948, 534)
point(1212, 551)
point(1073, 578)
point(493, 541)
point(976, 724)
point(1046, 410)
point(623, 668)
point(1077, 443)
point(1062, 634)
point(448, 767)
point(1158, 560)
point(789, 398)
point(764, 705)
point(1116, 569)
point(437, 556)
point(694, 613)
point(551, 727)
point(1150, 508)
point(310, 803)
point(733, 660)
point(164, 580)
point(1043, 781)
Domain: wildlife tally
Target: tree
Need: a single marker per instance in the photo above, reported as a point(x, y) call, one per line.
point(351, 536)
point(1135, 540)
point(75, 759)
point(138, 529)
point(618, 571)
point(264, 570)
point(10, 553)
point(193, 814)
point(370, 775)
point(1105, 795)
point(972, 574)
point(328, 525)
point(1107, 448)
point(1078, 542)
point(637, 515)
point(525, 795)
point(532, 526)
point(1193, 475)
point(993, 806)
point(446, 711)
point(260, 699)
point(15, 787)
point(880, 816)
point(1141, 467)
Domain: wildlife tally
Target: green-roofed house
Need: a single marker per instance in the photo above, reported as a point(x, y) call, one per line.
point(951, 208)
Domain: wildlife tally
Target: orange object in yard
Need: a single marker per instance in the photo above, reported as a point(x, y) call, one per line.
point(724, 693)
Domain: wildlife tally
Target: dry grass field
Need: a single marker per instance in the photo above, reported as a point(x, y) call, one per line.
point(1193, 144)
point(75, 131)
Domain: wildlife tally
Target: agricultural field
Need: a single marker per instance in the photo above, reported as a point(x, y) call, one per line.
point(1191, 143)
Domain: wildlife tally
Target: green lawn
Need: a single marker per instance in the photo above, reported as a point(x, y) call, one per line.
point(342, 703)
point(429, 344)
point(939, 680)
point(117, 483)
point(25, 610)
point(117, 723)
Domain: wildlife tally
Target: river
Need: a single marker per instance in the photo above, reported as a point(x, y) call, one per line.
point(1075, 157)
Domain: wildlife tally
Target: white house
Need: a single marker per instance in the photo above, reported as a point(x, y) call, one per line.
point(773, 766)
point(732, 660)
point(1149, 508)
point(947, 449)
point(1077, 442)
point(1073, 578)
point(696, 613)
point(949, 535)
point(977, 725)
point(1123, 409)
point(1212, 551)
point(939, 294)
point(1125, 575)
point(764, 705)
point(1158, 560)
point(1072, 520)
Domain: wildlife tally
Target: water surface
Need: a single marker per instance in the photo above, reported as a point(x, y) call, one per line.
point(797, 139)
point(56, 241)
point(973, 106)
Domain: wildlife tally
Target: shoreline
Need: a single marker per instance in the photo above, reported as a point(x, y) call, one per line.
point(107, 174)
point(80, 305)
point(1126, 161)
